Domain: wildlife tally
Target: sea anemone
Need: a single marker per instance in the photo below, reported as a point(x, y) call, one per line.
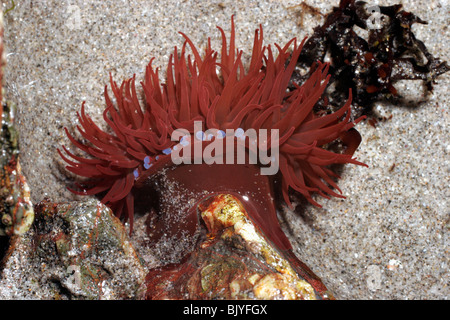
point(222, 94)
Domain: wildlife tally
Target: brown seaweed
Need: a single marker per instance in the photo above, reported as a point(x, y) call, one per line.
point(369, 48)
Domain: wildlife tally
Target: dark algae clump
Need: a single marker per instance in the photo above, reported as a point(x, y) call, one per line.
point(369, 49)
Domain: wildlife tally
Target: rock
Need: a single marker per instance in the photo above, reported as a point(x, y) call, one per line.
point(76, 250)
point(16, 209)
point(233, 260)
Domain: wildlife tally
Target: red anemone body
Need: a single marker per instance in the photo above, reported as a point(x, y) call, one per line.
point(222, 95)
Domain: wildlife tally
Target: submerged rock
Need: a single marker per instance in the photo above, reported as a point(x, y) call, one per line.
point(233, 260)
point(76, 250)
point(16, 209)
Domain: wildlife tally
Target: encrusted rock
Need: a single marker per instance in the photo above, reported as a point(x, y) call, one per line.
point(76, 250)
point(16, 209)
point(233, 260)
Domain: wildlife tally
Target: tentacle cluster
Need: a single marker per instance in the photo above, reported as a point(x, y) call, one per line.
point(223, 95)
